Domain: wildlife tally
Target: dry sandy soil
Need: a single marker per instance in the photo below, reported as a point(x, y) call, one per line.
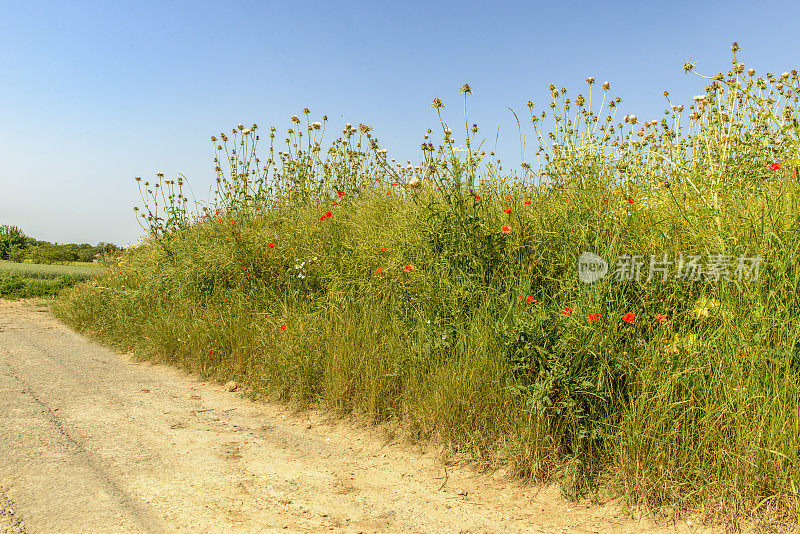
point(91, 441)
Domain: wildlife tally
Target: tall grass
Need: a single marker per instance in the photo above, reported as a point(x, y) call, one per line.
point(447, 296)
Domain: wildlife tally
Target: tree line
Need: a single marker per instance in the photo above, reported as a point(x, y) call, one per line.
point(16, 246)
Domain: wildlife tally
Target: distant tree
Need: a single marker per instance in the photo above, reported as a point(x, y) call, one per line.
point(12, 238)
point(16, 253)
point(87, 254)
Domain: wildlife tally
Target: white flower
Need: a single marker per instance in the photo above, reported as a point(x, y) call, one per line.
point(414, 183)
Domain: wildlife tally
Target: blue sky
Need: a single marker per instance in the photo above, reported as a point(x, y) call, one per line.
point(95, 93)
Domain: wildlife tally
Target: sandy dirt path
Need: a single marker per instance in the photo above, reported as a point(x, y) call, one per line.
point(91, 441)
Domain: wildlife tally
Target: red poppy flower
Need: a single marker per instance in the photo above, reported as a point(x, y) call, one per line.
point(258, 209)
point(379, 270)
point(505, 229)
point(528, 202)
point(629, 317)
point(605, 201)
point(328, 215)
point(225, 300)
point(271, 245)
point(661, 318)
point(566, 311)
point(283, 327)
point(507, 211)
point(530, 299)
point(477, 198)
point(383, 249)
point(508, 197)
point(340, 193)
point(775, 166)
point(594, 317)
point(211, 352)
point(322, 218)
point(215, 324)
point(408, 268)
point(631, 201)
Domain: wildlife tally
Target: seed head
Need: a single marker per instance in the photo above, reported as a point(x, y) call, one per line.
point(751, 72)
point(466, 89)
point(437, 103)
point(316, 125)
point(688, 66)
point(590, 80)
point(606, 86)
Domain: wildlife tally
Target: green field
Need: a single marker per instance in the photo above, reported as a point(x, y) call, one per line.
point(34, 270)
point(24, 280)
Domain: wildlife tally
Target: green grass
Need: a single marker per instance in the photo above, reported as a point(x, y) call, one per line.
point(460, 314)
point(34, 270)
point(26, 280)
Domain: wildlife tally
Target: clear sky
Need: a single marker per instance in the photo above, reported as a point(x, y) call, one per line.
point(93, 94)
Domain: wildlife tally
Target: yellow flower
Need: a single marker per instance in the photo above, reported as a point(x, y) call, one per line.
point(703, 307)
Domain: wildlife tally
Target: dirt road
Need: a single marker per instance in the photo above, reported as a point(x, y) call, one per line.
point(93, 442)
